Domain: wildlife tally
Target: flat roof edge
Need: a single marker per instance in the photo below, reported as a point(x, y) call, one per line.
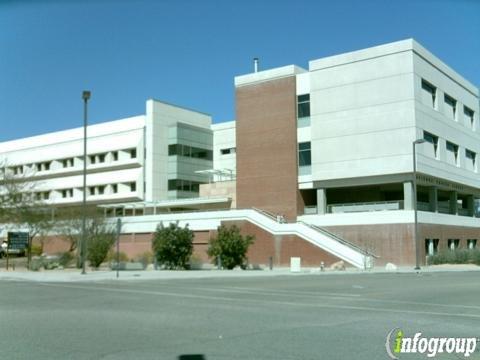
point(179, 107)
point(267, 75)
point(390, 49)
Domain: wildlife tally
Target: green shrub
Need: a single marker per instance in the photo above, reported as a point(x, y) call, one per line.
point(65, 259)
point(230, 246)
point(98, 247)
point(36, 250)
point(112, 256)
point(173, 246)
point(195, 263)
point(36, 264)
point(51, 264)
point(475, 257)
point(145, 258)
point(461, 256)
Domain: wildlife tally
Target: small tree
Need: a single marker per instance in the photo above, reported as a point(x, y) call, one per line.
point(230, 246)
point(173, 246)
point(37, 219)
point(101, 238)
point(99, 234)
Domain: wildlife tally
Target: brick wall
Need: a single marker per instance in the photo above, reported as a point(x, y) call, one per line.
point(266, 137)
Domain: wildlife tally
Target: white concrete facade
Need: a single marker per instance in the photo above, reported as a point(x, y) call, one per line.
point(127, 160)
point(367, 108)
point(363, 111)
point(224, 150)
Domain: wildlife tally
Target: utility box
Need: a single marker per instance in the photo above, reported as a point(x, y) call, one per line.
point(295, 264)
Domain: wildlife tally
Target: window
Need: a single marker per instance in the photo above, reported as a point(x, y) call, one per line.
point(304, 154)
point(172, 184)
point(450, 106)
point(17, 170)
point(469, 118)
point(453, 244)
point(472, 244)
point(453, 150)
point(114, 188)
point(303, 110)
point(133, 153)
point(432, 139)
point(101, 158)
point(101, 190)
point(189, 151)
point(133, 186)
point(92, 159)
point(66, 163)
point(471, 157)
point(183, 185)
point(115, 155)
point(186, 151)
point(67, 193)
point(303, 105)
point(431, 246)
point(228, 151)
point(173, 149)
point(44, 166)
point(429, 93)
point(91, 190)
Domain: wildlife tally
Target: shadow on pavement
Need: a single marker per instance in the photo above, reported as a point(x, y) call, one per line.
point(192, 357)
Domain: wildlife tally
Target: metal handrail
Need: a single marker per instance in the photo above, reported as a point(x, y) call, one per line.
point(369, 203)
point(339, 239)
point(266, 213)
point(324, 232)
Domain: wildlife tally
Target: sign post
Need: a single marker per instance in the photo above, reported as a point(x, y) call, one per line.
point(119, 228)
point(18, 242)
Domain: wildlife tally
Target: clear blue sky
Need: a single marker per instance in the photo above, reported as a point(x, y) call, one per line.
point(187, 52)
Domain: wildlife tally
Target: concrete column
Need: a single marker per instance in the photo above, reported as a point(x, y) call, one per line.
point(470, 205)
point(453, 203)
point(408, 195)
point(433, 199)
point(278, 249)
point(321, 201)
point(430, 247)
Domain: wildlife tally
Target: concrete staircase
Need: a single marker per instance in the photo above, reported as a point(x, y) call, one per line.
point(210, 220)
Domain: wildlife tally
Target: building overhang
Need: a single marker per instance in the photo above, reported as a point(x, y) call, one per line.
point(166, 206)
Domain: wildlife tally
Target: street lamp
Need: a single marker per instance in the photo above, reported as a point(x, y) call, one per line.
point(417, 256)
point(85, 97)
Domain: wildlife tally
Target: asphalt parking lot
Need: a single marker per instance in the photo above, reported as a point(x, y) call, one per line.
point(281, 317)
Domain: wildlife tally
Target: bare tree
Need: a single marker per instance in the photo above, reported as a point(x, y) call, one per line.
point(16, 192)
point(19, 205)
point(99, 234)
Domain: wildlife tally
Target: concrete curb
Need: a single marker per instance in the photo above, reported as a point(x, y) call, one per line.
point(94, 276)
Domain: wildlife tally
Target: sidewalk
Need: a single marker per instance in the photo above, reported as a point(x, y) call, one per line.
point(74, 275)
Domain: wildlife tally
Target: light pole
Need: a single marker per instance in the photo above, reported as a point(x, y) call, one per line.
point(5, 250)
point(85, 97)
point(417, 255)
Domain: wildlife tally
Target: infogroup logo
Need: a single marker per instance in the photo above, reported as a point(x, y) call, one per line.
point(397, 343)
